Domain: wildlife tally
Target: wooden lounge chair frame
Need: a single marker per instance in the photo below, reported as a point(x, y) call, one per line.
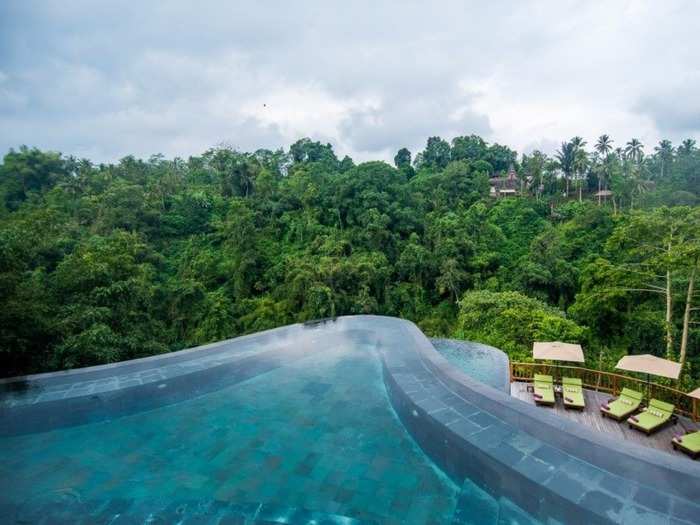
point(663, 407)
point(694, 454)
point(634, 406)
point(568, 382)
point(543, 379)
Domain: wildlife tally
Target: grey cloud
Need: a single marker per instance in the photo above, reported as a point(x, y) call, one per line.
point(543, 145)
point(673, 117)
point(409, 121)
point(675, 108)
point(111, 79)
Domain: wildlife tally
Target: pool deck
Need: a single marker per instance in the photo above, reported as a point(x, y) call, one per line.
point(591, 417)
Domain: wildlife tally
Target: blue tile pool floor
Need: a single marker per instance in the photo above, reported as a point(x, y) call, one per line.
point(315, 441)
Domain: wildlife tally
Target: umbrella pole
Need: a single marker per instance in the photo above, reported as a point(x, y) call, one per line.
point(648, 389)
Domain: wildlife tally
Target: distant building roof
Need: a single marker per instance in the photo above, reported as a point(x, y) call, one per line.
point(604, 193)
point(508, 180)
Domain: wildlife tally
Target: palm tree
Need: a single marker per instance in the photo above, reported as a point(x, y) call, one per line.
point(634, 149)
point(578, 142)
point(686, 147)
point(603, 147)
point(664, 152)
point(580, 164)
point(664, 146)
point(638, 185)
point(566, 157)
point(580, 161)
point(534, 167)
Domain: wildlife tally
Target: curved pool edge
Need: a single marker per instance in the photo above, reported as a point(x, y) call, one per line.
point(550, 466)
point(43, 402)
point(140, 363)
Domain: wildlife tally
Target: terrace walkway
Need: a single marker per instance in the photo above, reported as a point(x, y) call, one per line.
point(591, 417)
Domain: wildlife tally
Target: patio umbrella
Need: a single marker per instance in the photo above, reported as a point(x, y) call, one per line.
point(557, 351)
point(650, 365)
point(695, 394)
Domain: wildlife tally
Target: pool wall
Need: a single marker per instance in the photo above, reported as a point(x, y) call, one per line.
point(550, 466)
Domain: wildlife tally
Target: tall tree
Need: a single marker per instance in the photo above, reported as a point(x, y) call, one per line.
point(29, 171)
point(634, 150)
point(687, 147)
point(603, 147)
point(470, 148)
point(580, 163)
point(664, 154)
point(689, 256)
point(566, 157)
point(533, 168)
point(436, 153)
point(650, 246)
point(402, 159)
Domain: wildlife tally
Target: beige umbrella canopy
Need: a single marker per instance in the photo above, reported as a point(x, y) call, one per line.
point(695, 394)
point(557, 351)
point(650, 364)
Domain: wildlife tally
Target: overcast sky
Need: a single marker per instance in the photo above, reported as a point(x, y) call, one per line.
point(103, 80)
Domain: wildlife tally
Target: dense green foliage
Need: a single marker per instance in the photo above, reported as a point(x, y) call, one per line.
point(512, 321)
point(110, 262)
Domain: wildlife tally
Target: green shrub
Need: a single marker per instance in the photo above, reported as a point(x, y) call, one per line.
point(512, 321)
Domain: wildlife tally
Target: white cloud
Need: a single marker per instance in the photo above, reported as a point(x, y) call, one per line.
point(368, 77)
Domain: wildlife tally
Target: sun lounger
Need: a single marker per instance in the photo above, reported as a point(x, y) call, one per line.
point(656, 415)
point(626, 404)
point(690, 444)
point(543, 390)
point(572, 393)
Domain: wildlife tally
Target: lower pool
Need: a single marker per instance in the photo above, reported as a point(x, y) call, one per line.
point(484, 363)
point(313, 439)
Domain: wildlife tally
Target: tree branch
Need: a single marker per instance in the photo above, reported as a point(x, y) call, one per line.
point(658, 290)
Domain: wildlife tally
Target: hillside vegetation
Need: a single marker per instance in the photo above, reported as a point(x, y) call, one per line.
point(100, 263)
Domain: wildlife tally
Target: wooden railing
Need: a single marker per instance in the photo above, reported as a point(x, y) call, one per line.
point(609, 382)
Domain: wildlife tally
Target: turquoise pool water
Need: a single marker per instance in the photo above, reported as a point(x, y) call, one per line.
point(313, 440)
point(482, 362)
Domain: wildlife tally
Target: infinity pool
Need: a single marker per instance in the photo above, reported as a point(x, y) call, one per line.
point(306, 435)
